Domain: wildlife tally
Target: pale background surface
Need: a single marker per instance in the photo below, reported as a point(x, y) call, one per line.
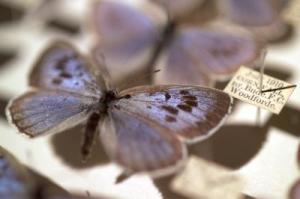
point(268, 170)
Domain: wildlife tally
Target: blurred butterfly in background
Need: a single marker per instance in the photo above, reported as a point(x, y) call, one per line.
point(142, 129)
point(19, 182)
point(187, 50)
point(263, 17)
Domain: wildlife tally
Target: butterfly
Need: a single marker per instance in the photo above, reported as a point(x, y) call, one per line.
point(19, 182)
point(260, 16)
point(187, 52)
point(143, 129)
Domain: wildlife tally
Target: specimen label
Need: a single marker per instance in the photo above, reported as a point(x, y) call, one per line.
point(271, 95)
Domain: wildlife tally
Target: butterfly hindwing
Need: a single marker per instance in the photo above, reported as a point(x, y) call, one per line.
point(190, 112)
point(62, 67)
point(250, 12)
point(140, 145)
point(40, 112)
point(217, 51)
point(197, 56)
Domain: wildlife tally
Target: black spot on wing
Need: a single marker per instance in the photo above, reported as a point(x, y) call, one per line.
point(169, 118)
point(65, 75)
point(61, 63)
point(167, 96)
point(191, 103)
point(170, 109)
point(185, 107)
point(184, 92)
point(57, 81)
point(189, 97)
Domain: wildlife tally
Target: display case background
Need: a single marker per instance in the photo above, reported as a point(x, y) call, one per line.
point(265, 157)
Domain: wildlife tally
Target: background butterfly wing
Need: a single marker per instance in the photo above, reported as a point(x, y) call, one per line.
point(178, 67)
point(191, 112)
point(217, 51)
point(61, 67)
point(250, 12)
point(14, 180)
point(125, 36)
point(262, 17)
point(141, 145)
point(40, 112)
point(201, 55)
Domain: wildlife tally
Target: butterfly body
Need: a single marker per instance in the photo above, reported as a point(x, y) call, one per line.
point(144, 129)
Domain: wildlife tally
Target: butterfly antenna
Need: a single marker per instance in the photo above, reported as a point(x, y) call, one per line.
point(141, 78)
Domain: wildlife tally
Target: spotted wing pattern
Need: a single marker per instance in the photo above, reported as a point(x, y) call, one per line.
point(62, 67)
point(40, 112)
point(190, 112)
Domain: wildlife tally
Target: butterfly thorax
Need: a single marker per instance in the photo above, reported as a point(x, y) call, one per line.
point(104, 101)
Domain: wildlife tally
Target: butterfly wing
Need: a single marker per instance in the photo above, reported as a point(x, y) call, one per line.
point(40, 112)
point(262, 17)
point(125, 35)
point(141, 145)
point(14, 179)
point(212, 51)
point(178, 67)
point(61, 67)
point(190, 112)
point(145, 124)
point(250, 12)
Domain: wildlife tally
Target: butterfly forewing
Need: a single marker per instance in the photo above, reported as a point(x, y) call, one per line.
point(40, 112)
point(190, 112)
point(140, 144)
point(62, 67)
point(124, 36)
